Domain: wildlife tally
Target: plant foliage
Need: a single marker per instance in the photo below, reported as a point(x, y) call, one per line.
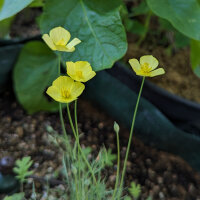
point(22, 168)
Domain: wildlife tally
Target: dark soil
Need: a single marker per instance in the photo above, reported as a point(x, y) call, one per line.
point(162, 175)
point(25, 23)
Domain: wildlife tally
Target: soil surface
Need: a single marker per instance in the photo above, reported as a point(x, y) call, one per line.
point(25, 23)
point(161, 175)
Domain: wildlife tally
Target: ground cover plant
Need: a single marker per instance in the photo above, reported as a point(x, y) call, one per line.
point(86, 37)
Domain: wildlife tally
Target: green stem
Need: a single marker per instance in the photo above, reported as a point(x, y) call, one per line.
point(118, 165)
point(75, 117)
point(62, 122)
point(77, 133)
point(60, 106)
point(146, 25)
point(59, 60)
point(22, 187)
point(77, 191)
point(79, 147)
point(130, 136)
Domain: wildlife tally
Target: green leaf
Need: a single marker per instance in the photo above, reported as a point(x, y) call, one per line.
point(11, 7)
point(195, 56)
point(22, 168)
point(106, 157)
point(5, 26)
point(184, 15)
point(17, 196)
point(37, 3)
point(137, 28)
point(141, 9)
point(135, 190)
point(34, 71)
point(1, 4)
point(96, 23)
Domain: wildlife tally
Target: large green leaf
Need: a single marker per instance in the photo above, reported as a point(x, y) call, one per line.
point(184, 15)
point(195, 56)
point(11, 7)
point(17, 196)
point(34, 71)
point(5, 27)
point(96, 23)
point(8, 57)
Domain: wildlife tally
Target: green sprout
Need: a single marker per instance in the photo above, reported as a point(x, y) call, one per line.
point(106, 157)
point(135, 190)
point(17, 196)
point(22, 169)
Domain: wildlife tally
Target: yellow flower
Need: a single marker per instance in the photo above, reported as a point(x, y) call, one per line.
point(65, 90)
point(80, 71)
point(58, 38)
point(146, 66)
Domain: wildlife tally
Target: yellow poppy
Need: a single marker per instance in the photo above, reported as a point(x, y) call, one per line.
point(80, 71)
point(58, 38)
point(146, 67)
point(65, 90)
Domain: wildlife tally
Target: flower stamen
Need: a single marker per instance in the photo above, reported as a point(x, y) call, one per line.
point(146, 68)
point(79, 74)
point(61, 42)
point(65, 93)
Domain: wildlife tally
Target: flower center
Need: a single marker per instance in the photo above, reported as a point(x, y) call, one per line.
point(145, 68)
point(65, 93)
point(79, 74)
point(61, 42)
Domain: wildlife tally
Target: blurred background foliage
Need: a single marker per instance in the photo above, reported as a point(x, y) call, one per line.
point(101, 25)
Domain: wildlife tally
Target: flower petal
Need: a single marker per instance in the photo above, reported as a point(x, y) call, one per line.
point(89, 76)
point(77, 89)
point(49, 41)
point(73, 43)
point(71, 70)
point(64, 48)
point(83, 67)
point(152, 61)
point(157, 72)
point(63, 81)
point(142, 73)
point(135, 64)
point(54, 92)
point(59, 36)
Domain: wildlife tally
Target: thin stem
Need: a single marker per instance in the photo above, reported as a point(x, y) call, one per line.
point(75, 117)
point(77, 133)
point(60, 106)
point(59, 60)
point(77, 196)
point(62, 122)
point(131, 135)
point(79, 147)
point(22, 187)
point(146, 25)
point(71, 122)
point(118, 165)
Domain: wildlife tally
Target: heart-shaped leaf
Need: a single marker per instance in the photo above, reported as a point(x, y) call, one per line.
point(184, 15)
point(194, 56)
point(34, 71)
point(9, 8)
